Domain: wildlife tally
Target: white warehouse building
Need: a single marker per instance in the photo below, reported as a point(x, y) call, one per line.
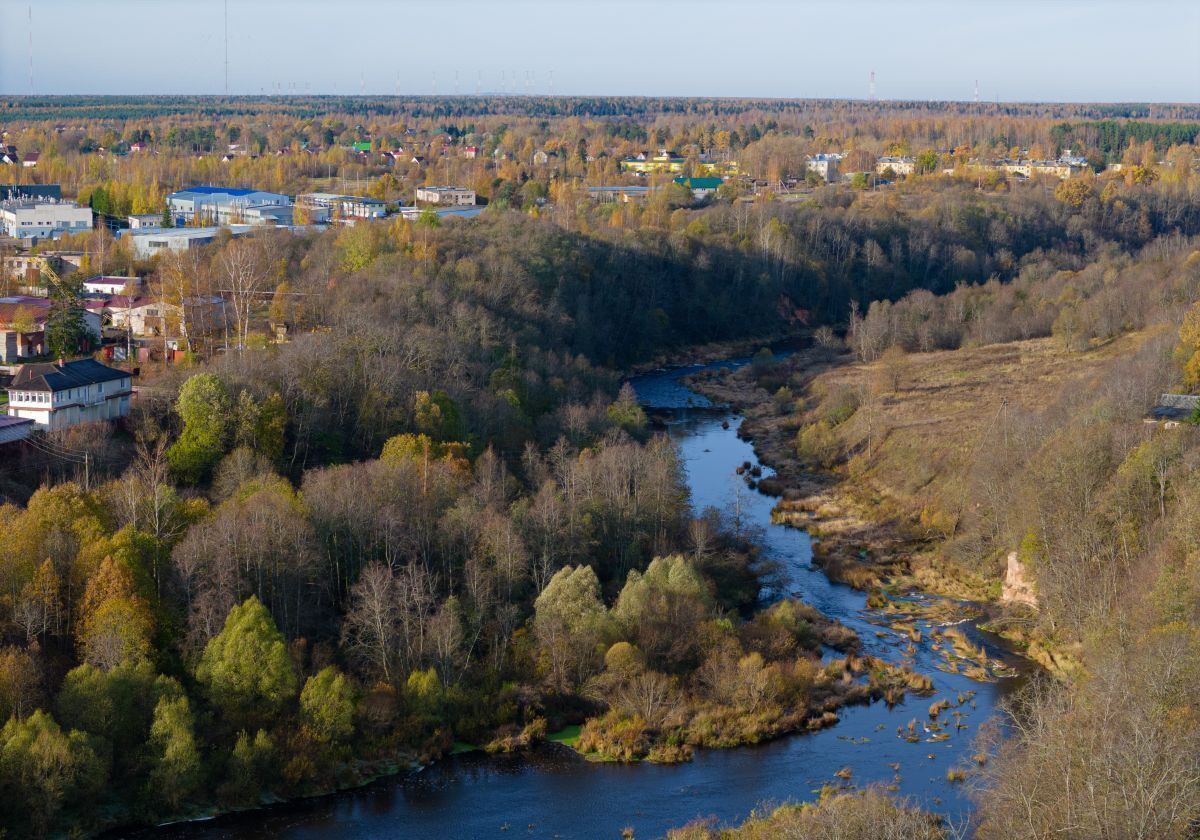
point(43, 219)
point(229, 205)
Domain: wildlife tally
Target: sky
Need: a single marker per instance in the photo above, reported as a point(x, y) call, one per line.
point(1018, 50)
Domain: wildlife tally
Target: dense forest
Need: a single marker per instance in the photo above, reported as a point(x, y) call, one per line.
point(433, 515)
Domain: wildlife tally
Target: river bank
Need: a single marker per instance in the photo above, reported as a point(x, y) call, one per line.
point(868, 531)
point(545, 788)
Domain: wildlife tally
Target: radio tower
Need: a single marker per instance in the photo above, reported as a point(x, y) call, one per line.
point(871, 87)
point(226, 47)
point(976, 91)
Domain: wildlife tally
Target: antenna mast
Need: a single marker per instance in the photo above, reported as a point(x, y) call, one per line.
point(226, 47)
point(976, 91)
point(871, 87)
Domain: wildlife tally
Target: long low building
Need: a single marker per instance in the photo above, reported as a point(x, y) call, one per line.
point(148, 242)
point(64, 394)
point(322, 207)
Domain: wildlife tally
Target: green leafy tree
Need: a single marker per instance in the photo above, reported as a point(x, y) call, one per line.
point(246, 669)
point(570, 622)
point(204, 407)
point(327, 705)
point(42, 769)
point(66, 329)
point(249, 766)
point(175, 757)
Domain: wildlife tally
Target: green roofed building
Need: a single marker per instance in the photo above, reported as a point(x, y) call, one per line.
point(701, 188)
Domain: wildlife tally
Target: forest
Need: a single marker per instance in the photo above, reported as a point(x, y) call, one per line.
point(433, 515)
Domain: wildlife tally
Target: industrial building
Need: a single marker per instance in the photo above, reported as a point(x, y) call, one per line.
point(147, 243)
point(40, 218)
point(229, 206)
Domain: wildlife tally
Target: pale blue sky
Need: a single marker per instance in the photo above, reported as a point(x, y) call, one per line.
point(1019, 50)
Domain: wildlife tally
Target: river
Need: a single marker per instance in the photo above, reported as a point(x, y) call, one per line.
point(552, 792)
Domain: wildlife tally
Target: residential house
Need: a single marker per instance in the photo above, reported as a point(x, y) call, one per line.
point(1173, 410)
point(151, 317)
point(824, 166)
point(104, 284)
point(22, 330)
point(30, 160)
point(64, 394)
point(452, 196)
point(899, 165)
point(470, 152)
point(701, 188)
point(23, 327)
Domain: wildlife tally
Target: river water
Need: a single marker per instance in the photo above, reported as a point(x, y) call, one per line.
point(552, 792)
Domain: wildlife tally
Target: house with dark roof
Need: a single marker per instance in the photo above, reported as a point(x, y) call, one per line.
point(64, 394)
point(1173, 410)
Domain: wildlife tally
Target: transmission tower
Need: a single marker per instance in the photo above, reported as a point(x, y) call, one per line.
point(871, 87)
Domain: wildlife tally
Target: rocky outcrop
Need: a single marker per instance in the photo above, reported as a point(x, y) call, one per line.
point(1018, 587)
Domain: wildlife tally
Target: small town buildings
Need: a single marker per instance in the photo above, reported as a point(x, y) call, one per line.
point(13, 429)
point(619, 195)
point(147, 243)
point(23, 327)
point(151, 317)
point(110, 285)
point(451, 196)
point(39, 218)
point(145, 220)
point(22, 330)
point(324, 207)
point(30, 191)
point(30, 160)
point(228, 206)
point(470, 152)
point(900, 166)
point(1173, 410)
point(64, 394)
point(824, 166)
point(701, 188)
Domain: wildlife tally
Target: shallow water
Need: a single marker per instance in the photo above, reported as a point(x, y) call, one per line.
point(554, 793)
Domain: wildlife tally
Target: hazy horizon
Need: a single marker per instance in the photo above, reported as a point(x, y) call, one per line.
point(1066, 51)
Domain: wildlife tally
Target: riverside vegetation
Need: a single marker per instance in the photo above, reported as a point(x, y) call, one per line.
point(432, 515)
